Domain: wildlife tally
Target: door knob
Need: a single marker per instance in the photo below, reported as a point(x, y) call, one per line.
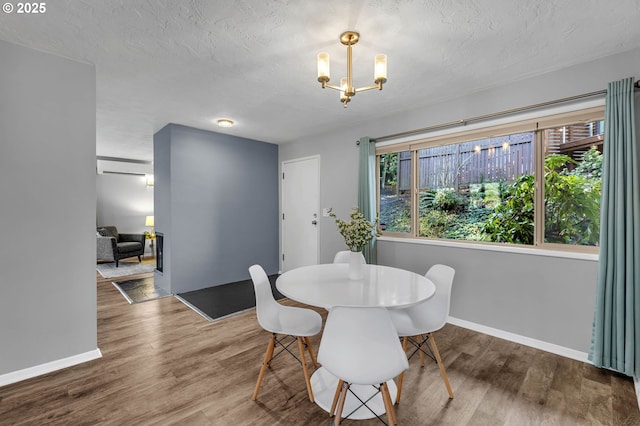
point(314, 222)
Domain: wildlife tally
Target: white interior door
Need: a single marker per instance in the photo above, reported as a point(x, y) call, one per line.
point(300, 211)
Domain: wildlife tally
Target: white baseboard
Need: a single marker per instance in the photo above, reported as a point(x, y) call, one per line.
point(38, 370)
point(523, 340)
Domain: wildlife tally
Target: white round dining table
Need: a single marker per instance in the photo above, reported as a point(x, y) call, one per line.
point(328, 285)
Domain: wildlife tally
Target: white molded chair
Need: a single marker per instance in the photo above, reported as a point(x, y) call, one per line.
point(343, 257)
point(416, 324)
point(299, 323)
point(360, 346)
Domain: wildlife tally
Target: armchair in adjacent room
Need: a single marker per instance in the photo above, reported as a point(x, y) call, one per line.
point(113, 246)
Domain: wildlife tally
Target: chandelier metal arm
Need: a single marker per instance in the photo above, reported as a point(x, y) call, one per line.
point(364, 89)
point(330, 86)
point(326, 85)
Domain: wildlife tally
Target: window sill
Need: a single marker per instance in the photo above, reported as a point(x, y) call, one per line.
point(496, 247)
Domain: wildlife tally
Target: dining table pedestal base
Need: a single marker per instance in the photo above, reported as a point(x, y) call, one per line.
point(324, 386)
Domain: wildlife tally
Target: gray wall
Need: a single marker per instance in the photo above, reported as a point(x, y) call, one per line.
point(545, 298)
point(217, 206)
point(124, 201)
point(162, 200)
point(47, 208)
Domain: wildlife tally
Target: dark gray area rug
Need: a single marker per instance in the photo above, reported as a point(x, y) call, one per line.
point(140, 290)
point(221, 301)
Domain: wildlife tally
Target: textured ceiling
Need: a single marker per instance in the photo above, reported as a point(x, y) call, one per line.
point(192, 61)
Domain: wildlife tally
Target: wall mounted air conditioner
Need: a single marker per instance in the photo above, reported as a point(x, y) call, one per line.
point(124, 167)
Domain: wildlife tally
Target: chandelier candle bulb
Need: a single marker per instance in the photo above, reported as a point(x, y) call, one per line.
point(344, 84)
point(380, 69)
point(323, 67)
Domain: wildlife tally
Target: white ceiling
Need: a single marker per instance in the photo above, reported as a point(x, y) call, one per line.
point(193, 61)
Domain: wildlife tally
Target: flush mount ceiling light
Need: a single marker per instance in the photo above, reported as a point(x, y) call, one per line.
point(225, 122)
point(347, 91)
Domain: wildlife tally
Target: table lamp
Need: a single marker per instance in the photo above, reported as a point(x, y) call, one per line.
point(149, 222)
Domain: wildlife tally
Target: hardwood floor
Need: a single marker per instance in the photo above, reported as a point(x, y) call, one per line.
point(164, 364)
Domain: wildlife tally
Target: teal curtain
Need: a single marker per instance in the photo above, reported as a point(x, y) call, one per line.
point(367, 191)
point(615, 342)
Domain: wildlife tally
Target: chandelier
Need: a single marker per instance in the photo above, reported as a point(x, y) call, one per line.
point(347, 91)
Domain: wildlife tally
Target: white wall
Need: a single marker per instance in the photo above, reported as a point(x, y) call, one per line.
point(124, 201)
point(47, 210)
point(544, 298)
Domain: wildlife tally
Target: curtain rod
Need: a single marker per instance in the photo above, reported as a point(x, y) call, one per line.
point(495, 114)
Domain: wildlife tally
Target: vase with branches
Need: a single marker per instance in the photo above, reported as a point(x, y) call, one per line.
point(357, 233)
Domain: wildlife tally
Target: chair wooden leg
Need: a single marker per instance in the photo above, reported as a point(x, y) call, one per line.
point(439, 360)
point(303, 358)
point(335, 397)
point(265, 363)
point(388, 405)
point(405, 342)
point(343, 396)
point(310, 349)
point(422, 355)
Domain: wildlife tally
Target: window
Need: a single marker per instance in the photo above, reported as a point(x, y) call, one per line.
point(533, 183)
point(395, 192)
point(572, 182)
